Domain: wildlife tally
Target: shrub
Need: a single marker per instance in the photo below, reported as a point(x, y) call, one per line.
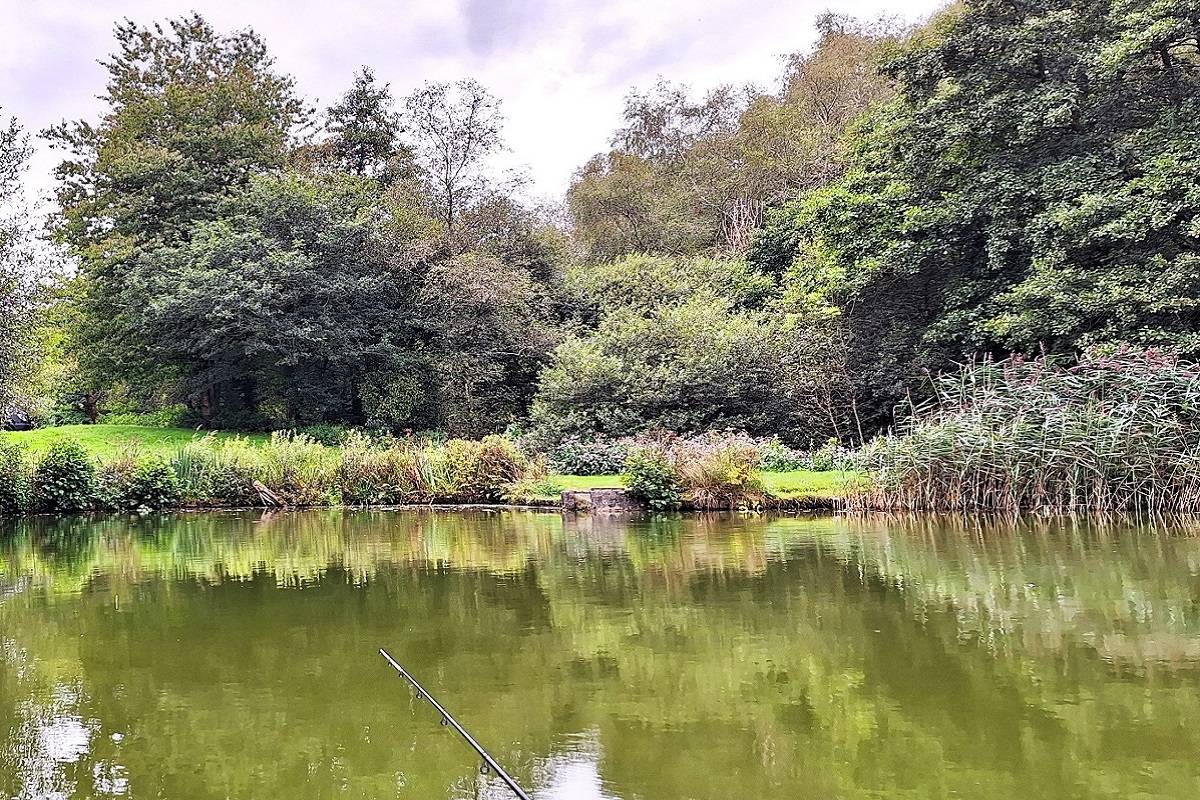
point(1111, 433)
point(326, 434)
point(172, 416)
point(479, 472)
point(651, 476)
point(217, 473)
point(378, 475)
point(65, 479)
point(775, 456)
point(14, 479)
point(831, 456)
point(697, 365)
point(133, 481)
point(720, 472)
point(599, 455)
point(531, 489)
point(297, 469)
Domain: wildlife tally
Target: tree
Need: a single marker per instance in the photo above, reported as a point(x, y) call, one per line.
point(15, 289)
point(687, 177)
point(192, 115)
point(364, 131)
point(486, 331)
point(1032, 187)
point(455, 129)
point(283, 308)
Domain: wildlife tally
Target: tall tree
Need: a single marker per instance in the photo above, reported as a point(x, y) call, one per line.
point(192, 115)
point(687, 176)
point(1033, 186)
point(15, 300)
point(455, 129)
point(364, 130)
point(280, 310)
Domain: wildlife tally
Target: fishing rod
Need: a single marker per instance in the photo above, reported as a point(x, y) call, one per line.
point(489, 763)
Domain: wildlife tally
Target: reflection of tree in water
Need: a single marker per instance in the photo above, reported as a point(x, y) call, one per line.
point(704, 657)
point(1127, 591)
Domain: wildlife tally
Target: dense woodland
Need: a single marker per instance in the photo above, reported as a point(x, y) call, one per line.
point(1010, 176)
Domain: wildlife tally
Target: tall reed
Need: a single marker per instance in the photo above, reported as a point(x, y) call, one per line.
point(1110, 433)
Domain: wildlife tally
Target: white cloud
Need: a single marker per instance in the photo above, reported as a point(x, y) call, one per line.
point(561, 67)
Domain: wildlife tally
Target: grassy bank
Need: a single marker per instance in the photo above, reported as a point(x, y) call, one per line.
point(114, 467)
point(107, 441)
point(784, 485)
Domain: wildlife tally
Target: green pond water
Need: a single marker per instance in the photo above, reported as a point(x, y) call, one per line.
point(234, 656)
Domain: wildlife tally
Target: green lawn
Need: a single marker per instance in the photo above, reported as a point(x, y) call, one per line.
point(800, 483)
point(108, 440)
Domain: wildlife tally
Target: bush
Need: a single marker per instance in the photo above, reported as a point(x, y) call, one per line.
point(1113, 433)
point(15, 492)
point(721, 472)
point(775, 456)
point(297, 470)
point(479, 472)
point(531, 489)
point(173, 416)
point(326, 434)
point(695, 366)
point(132, 481)
point(65, 479)
point(369, 474)
point(651, 476)
point(212, 473)
point(831, 456)
point(598, 455)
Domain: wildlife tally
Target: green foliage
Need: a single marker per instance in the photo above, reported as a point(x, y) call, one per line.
point(486, 330)
point(775, 456)
point(17, 289)
point(720, 472)
point(651, 476)
point(364, 131)
point(1112, 433)
point(712, 471)
point(372, 475)
point(15, 490)
point(135, 481)
point(169, 416)
point(481, 471)
point(1031, 187)
point(694, 366)
point(282, 309)
point(297, 470)
point(690, 176)
point(646, 282)
point(596, 455)
point(190, 116)
point(64, 480)
point(214, 472)
point(533, 489)
point(326, 434)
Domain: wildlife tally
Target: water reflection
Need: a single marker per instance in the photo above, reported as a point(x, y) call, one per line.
point(232, 655)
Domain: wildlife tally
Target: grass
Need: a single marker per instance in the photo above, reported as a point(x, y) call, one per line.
point(806, 483)
point(784, 485)
point(1111, 433)
point(105, 441)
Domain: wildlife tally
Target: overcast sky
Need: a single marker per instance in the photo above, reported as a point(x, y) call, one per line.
point(561, 67)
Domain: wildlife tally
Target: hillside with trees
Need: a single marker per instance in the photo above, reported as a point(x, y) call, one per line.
point(793, 261)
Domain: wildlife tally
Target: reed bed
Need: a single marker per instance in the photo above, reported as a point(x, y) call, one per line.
point(1115, 433)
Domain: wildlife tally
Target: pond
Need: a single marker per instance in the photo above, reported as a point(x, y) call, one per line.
point(233, 655)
